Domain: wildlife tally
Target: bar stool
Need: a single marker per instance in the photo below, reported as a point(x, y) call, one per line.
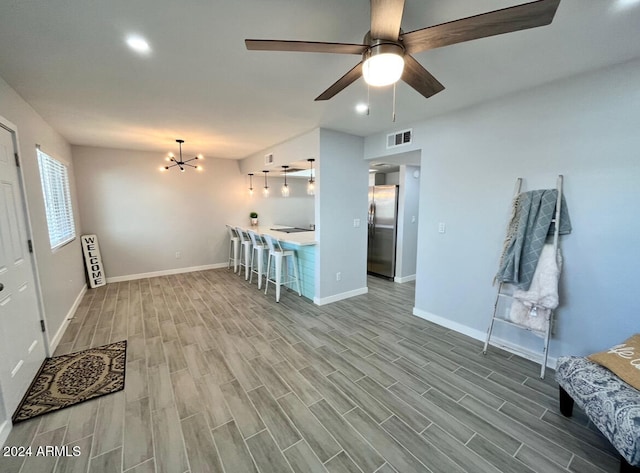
point(234, 243)
point(245, 248)
point(279, 256)
point(258, 247)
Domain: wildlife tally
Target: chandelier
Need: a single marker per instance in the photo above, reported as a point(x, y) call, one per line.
point(180, 162)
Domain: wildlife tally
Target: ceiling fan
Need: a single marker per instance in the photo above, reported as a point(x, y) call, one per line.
point(386, 49)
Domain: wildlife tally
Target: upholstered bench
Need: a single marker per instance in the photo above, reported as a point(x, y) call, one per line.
point(611, 404)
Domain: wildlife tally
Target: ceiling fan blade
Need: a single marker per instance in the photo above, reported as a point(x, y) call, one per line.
point(342, 83)
point(386, 16)
point(507, 20)
point(419, 78)
point(304, 46)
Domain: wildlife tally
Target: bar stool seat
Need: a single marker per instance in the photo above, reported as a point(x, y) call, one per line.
point(258, 247)
point(234, 246)
point(279, 258)
point(245, 250)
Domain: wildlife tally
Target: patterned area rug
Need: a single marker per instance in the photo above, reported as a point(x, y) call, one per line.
point(71, 379)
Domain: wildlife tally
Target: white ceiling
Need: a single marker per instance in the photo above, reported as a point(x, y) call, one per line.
point(69, 60)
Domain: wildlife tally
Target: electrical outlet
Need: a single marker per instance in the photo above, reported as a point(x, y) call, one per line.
point(413, 219)
point(338, 276)
point(356, 222)
point(178, 254)
point(442, 227)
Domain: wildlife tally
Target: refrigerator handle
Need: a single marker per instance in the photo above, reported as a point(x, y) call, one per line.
point(372, 218)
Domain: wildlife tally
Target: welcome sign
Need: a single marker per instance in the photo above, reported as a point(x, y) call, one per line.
point(93, 261)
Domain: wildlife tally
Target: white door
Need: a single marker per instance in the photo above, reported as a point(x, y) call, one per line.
point(21, 341)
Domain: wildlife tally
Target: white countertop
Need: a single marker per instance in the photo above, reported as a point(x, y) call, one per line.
point(298, 239)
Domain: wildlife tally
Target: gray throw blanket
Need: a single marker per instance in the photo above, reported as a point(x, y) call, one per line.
point(528, 230)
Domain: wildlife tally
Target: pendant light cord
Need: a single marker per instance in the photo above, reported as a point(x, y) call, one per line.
point(394, 103)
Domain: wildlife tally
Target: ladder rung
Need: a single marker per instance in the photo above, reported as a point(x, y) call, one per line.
point(539, 333)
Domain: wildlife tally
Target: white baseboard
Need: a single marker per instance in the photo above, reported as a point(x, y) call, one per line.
point(480, 335)
point(524, 352)
point(55, 340)
point(339, 297)
point(446, 323)
point(409, 278)
point(166, 272)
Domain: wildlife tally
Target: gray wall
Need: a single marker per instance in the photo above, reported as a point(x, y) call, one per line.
point(60, 272)
point(584, 127)
point(408, 206)
point(299, 148)
point(143, 216)
point(341, 190)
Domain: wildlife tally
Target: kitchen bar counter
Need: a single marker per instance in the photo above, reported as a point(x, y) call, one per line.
point(295, 239)
point(304, 244)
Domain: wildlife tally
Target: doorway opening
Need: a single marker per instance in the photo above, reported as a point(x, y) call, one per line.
point(394, 194)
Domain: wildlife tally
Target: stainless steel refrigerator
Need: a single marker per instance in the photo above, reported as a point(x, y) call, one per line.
point(382, 223)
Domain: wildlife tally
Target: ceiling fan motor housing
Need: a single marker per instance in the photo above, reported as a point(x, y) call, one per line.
point(382, 62)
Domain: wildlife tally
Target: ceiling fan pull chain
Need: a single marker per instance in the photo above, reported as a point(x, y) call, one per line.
point(368, 99)
point(394, 104)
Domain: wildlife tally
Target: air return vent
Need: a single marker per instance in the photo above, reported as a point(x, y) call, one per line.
point(399, 138)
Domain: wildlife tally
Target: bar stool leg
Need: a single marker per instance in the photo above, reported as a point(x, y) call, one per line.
point(260, 263)
point(266, 279)
point(238, 270)
point(253, 254)
point(279, 261)
point(236, 248)
point(246, 263)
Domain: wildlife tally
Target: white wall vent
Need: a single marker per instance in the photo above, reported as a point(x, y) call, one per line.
point(268, 159)
point(399, 138)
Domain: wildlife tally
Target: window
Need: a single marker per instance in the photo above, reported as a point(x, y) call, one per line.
point(57, 200)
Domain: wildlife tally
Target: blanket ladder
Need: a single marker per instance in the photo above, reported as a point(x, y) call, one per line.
point(503, 293)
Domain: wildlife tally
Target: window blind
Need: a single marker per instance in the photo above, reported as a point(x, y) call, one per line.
point(57, 200)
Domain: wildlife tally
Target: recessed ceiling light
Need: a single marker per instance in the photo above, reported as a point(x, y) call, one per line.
point(622, 4)
point(362, 108)
point(138, 44)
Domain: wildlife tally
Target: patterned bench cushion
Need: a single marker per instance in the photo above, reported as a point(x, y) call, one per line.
point(610, 403)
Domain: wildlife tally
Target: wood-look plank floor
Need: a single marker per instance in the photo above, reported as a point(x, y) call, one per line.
point(220, 378)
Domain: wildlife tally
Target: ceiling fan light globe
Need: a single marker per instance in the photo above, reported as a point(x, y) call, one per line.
point(383, 69)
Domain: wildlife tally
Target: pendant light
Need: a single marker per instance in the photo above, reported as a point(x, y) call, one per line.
point(285, 186)
point(265, 190)
point(250, 183)
point(311, 186)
